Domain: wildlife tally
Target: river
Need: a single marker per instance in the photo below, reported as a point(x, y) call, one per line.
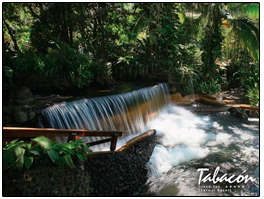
point(187, 142)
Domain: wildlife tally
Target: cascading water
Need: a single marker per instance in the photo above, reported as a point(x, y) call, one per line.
point(128, 112)
point(186, 142)
point(193, 94)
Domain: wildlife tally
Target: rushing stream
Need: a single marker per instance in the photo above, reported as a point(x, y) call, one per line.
point(188, 144)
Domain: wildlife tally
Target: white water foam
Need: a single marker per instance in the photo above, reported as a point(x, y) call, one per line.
point(183, 136)
point(180, 136)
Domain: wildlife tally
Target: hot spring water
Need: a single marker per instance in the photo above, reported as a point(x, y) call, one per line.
point(186, 142)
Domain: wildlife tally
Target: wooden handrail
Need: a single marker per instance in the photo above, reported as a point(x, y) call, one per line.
point(249, 108)
point(27, 133)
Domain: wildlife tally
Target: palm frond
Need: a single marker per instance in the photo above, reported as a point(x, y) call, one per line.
point(252, 10)
point(248, 34)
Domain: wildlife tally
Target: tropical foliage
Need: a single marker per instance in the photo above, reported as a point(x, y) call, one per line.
point(42, 151)
point(79, 43)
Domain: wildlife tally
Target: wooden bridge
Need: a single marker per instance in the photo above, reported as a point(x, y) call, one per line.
point(11, 133)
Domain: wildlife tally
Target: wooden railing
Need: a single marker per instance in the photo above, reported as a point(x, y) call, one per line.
point(11, 133)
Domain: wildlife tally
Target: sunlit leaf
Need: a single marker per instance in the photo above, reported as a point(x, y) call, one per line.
point(43, 141)
point(67, 150)
point(20, 160)
point(34, 151)
point(18, 151)
point(252, 10)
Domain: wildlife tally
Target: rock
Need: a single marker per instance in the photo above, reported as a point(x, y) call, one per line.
point(36, 181)
point(179, 100)
point(177, 97)
point(22, 108)
point(31, 115)
point(199, 96)
point(21, 117)
point(237, 113)
point(227, 166)
point(26, 108)
point(211, 102)
point(208, 165)
point(17, 108)
point(23, 94)
point(203, 99)
point(106, 80)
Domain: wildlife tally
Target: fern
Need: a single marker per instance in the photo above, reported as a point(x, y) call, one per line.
point(248, 34)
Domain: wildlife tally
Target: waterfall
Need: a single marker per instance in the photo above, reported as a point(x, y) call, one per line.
point(128, 112)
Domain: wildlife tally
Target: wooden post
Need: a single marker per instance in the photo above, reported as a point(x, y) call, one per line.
point(113, 142)
point(72, 137)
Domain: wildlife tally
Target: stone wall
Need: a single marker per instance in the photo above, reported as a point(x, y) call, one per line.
point(118, 173)
point(122, 172)
point(46, 181)
point(20, 108)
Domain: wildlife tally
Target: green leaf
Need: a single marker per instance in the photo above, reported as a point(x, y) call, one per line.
point(8, 157)
point(69, 145)
point(89, 151)
point(248, 34)
point(81, 157)
point(20, 160)
point(252, 10)
point(67, 150)
point(53, 155)
point(86, 148)
point(43, 141)
point(34, 151)
point(68, 161)
point(8, 71)
point(13, 141)
point(28, 162)
point(18, 151)
point(56, 146)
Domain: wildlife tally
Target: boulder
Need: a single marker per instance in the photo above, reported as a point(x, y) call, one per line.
point(203, 99)
point(21, 109)
point(21, 117)
point(177, 97)
point(31, 115)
